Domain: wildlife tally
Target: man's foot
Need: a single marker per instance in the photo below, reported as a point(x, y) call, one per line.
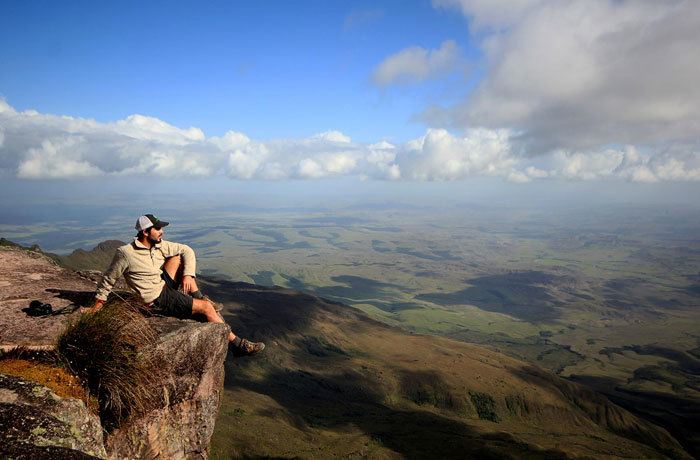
point(244, 347)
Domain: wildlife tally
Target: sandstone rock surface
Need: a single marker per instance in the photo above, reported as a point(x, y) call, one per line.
point(26, 276)
point(36, 423)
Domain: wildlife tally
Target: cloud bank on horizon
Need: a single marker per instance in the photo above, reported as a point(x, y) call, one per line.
point(571, 90)
point(44, 146)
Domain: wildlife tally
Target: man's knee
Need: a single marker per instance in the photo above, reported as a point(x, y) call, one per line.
point(173, 267)
point(199, 306)
point(173, 261)
point(203, 307)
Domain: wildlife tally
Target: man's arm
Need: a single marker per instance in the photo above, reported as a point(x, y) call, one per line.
point(109, 279)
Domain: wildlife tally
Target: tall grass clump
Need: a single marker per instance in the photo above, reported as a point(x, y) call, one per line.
point(109, 351)
point(485, 406)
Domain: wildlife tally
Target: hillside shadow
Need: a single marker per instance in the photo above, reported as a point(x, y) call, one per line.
point(544, 352)
point(637, 294)
point(428, 388)
point(263, 311)
point(334, 402)
point(320, 386)
point(591, 393)
point(686, 362)
point(523, 295)
point(358, 288)
point(679, 416)
point(435, 255)
point(279, 240)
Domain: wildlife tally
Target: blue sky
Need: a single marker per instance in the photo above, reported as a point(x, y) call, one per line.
point(269, 69)
point(533, 91)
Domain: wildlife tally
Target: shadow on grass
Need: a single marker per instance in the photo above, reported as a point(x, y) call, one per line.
point(427, 388)
point(523, 295)
point(544, 352)
point(265, 311)
point(686, 362)
point(359, 288)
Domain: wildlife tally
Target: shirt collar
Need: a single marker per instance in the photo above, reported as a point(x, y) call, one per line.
point(139, 245)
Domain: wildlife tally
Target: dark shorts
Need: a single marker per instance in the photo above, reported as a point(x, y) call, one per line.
point(172, 302)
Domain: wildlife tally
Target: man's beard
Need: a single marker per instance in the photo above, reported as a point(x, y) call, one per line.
point(154, 240)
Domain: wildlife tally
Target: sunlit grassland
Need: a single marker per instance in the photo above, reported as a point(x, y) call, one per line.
point(441, 321)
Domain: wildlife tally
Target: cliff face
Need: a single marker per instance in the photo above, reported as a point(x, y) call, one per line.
point(36, 423)
point(191, 357)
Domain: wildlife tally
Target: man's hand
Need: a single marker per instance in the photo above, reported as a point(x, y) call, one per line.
point(95, 307)
point(188, 284)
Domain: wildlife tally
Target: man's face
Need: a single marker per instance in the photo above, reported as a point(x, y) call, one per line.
point(155, 235)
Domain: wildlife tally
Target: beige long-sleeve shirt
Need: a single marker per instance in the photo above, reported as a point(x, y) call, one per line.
point(142, 266)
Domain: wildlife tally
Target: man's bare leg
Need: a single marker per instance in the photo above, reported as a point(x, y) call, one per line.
point(174, 268)
point(244, 346)
point(205, 307)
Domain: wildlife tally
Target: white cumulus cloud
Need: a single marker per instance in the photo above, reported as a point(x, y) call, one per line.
point(626, 164)
point(333, 136)
point(579, 75)
point(415, 64)
point(440, 155)
point(149, 128)
point(56, 159)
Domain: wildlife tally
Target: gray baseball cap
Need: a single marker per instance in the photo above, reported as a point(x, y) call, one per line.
point(149, 220)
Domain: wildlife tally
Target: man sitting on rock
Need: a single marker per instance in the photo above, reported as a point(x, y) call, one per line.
point(157, 270)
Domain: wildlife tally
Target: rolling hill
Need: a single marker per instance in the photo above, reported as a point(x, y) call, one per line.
point(334, 382)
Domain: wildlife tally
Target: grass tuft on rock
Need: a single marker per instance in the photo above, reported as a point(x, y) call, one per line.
point(108, 351)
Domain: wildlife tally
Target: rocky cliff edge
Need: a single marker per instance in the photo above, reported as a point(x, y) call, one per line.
point(35, 422)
